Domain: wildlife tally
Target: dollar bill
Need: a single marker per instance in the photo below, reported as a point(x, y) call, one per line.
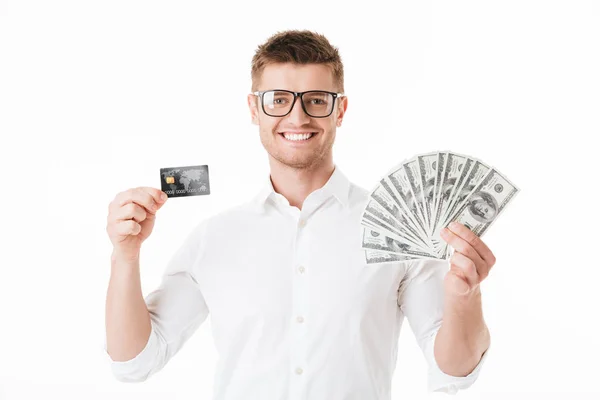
point(413, 175)
point(486, 202)
point(452, 171)
point(439, 172)
point(375, 240)
point(382, 257)
point(466, 169)
point(427, 172)
point(477, 173)
point(394, 230)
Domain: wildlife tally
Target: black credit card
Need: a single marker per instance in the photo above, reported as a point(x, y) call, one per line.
point(185, 181)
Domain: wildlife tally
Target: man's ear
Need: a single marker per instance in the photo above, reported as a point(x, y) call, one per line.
point(253, 106)
point(342, 106)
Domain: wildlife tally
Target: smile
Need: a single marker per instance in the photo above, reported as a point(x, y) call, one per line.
point(297, 137)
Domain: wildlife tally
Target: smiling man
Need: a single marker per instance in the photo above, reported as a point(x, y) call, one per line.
point(295, 311)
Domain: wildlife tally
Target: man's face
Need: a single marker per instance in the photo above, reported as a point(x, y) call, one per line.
point(298, 78)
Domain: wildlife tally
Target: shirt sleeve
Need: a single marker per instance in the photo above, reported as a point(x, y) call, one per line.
point(421, 298)
point(177, 309)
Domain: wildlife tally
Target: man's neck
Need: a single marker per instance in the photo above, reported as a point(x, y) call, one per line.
point(296, 184)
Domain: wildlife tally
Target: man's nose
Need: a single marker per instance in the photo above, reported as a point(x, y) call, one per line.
point(297, 114)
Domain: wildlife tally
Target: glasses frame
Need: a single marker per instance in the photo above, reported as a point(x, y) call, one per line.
point(261, 93)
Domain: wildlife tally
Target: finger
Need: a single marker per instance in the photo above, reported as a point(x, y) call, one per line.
point(467, 268)
point(475, 241)
point(137, 196)
point(457, 281)
point(129, 227)
point(461, 245)
point(130, 211)
point(158, 195)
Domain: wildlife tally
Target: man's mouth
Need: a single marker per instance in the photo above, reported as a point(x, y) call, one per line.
point(297, 136)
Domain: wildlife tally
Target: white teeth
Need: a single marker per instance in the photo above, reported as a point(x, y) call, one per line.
point(297, 136)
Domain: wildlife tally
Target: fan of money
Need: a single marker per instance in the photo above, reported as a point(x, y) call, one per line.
point(411, 204)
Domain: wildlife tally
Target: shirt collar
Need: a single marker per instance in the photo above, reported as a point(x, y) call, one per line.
point(337, 186)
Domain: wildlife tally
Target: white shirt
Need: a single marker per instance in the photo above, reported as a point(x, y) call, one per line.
point(296, 313)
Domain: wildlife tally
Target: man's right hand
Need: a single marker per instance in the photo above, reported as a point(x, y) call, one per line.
point(131, 218)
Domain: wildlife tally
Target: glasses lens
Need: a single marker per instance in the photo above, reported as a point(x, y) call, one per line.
point(318, 104)
point(277, 103)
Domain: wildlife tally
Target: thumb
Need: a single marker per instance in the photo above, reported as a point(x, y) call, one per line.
point(161, 203)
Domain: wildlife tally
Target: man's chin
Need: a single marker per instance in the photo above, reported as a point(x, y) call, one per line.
point(296, 162)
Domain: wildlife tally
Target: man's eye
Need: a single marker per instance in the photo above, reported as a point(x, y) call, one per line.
point(279, 101)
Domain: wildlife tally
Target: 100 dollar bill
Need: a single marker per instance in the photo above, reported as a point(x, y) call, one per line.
point(486, 203)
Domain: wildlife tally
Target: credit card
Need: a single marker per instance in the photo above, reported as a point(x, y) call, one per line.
point(185, 181)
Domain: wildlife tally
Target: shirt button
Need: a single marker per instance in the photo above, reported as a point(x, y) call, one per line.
point(301, 269)
point(299, 371)
point(300, 319)
point(301, 223)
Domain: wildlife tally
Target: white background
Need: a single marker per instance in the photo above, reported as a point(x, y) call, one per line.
point(95, 97)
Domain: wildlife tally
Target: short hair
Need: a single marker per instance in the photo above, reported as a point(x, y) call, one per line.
point(300, 47)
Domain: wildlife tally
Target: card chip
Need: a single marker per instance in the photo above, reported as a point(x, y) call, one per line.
point(170, 179)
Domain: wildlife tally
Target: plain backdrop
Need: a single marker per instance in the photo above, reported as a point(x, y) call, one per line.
point(96, 96)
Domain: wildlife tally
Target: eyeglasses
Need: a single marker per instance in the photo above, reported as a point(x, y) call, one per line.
point(315, 103)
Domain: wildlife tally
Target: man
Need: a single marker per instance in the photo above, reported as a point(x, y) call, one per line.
point(295, 311)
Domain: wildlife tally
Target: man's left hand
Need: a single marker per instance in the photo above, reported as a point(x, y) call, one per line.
point(471, 262)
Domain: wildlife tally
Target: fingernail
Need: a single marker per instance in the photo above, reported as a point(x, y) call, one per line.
point(444, 232)
point(163, 196)
point(453, 224)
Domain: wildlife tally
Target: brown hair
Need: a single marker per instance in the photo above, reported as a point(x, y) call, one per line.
point(300, 47)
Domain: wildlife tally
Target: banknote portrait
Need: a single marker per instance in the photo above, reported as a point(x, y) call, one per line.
point(483, 207)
